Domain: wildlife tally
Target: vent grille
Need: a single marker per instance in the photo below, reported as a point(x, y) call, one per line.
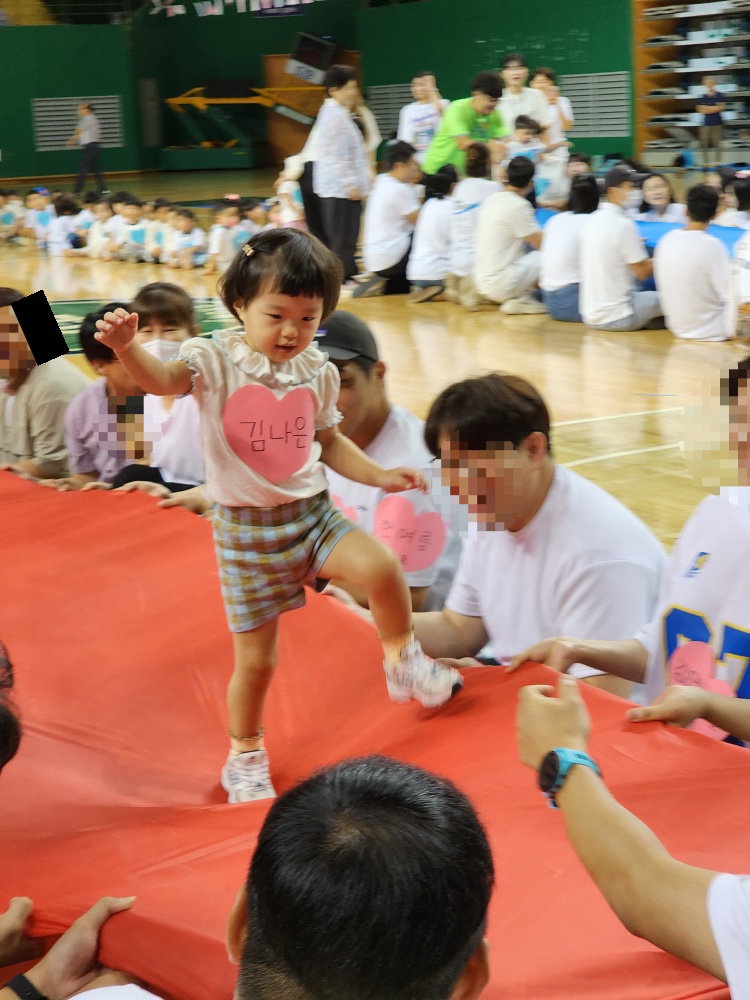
point(56, 118)
point(601, 104)
point(385, 103)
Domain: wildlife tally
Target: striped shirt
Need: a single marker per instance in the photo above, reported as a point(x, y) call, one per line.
point(341, 162)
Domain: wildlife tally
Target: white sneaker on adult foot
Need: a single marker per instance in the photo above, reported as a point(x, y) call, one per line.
point(245, 777)
point(524, 304)
point(418, 676)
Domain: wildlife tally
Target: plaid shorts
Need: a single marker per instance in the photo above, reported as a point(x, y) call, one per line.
point(267, 554)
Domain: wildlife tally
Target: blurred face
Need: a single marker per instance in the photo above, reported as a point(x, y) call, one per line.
point(419, 88)
point(656, 192)
point(117, 207)
point(621, 195)
point(483, 103)
point(34, 201)
point(258, 215)
point(183, 225)
point(131, 213)
point(280, 326)
point(540, 82)
point(709, 83)
point(492, 484)
point(228, 217)
point(102, 213)
point(15, 353)
point(525, 135)
point(360, 395)
point(347, 96)
point(155, 330)
point(575, 169)
point(515, 75)
point(83, 110)
point(162, 213)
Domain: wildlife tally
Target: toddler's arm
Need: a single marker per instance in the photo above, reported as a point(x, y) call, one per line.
point(117, 330)
point(344, 457)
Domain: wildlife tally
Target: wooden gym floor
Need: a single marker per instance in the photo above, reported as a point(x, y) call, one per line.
point(616, 399)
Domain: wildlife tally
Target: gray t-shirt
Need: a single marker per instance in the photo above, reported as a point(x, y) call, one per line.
point(90, 131)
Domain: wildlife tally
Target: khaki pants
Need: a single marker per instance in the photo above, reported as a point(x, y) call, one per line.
point(710, 136)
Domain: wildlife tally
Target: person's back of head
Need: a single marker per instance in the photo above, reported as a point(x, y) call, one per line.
point(520, 172)
point(370, 880)
point(338, 76)
point(524, 123)
point(487, 83)
point(584, 195)
point(478, 160)
point(702, 203)
point(742, 190)
point(66, 204)
point(396, 153)
point(441, 183)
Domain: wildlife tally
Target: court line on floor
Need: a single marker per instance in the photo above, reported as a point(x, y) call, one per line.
point(617, 416)
point(620, 454)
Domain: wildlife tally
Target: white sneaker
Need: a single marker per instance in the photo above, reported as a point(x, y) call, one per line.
point(245, 777)
point(418, 676)
point(524, 304)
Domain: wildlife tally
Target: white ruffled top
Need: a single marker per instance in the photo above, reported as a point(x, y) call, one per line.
point(250, 438)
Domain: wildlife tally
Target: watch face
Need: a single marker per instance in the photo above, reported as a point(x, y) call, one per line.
point(548, 772)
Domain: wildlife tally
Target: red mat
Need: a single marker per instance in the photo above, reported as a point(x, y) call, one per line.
point(112, 614)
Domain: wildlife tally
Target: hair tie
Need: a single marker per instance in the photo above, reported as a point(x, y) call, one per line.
point(248, 250)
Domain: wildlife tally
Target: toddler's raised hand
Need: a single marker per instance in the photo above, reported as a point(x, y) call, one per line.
point(117, 330)
point(398, 480)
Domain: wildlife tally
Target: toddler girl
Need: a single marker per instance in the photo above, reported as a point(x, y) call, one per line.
point(267, 398)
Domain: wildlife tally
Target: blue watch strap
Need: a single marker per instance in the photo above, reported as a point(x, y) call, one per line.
point(568, 759)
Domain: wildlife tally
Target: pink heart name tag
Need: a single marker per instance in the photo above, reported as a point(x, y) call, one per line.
point(273, 437)
point(693, 664)
point(349, 512)
point(417, 539)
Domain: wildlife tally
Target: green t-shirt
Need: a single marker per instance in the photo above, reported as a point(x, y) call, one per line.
point(460, 118)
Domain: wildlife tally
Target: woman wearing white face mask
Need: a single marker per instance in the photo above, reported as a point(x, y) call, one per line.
point(166, 319)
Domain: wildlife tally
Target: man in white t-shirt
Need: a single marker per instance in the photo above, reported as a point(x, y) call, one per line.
point(546, 545)
point(504, 271)
point(390, 216)
point(698, 915)
point(612, 257)
point(410, 524)
point(419, 121)
point(518, 99)
point(692, 271)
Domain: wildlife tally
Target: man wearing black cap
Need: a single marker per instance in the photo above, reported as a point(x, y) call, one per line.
point(612, 256)
point(391, 434)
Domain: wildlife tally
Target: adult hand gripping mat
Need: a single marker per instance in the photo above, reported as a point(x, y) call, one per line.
point(112, 614)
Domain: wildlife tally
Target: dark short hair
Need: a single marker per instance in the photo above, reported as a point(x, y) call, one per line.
point(584, 195)
point(702, 202)
point(487, 412)
point(580, 158)
point(104, 201)
point(166, 304)
point(91, 198)
point(488, 83)
point(186, 213)
point(225, 204)
point(287, 261)
point(397, 152)
point(120, 196)
point(66, 204)
point(741, 187)
point(439, 184)
point(92, 348)
point(520, 172)
point(338, 76)
point(371, 879)
point(9, 295)
point(162, 202)
point(423, 72)
point(545, 71)
point(248, 204)
point(515, 59)
point(478, 160)
point(10, 725)
point(530, 124)
point(133, 199)
point(735, 380)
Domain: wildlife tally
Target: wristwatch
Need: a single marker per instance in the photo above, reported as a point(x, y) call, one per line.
point(555, 767)
point(25, 989)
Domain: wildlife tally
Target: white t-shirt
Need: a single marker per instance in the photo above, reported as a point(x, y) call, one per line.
point(401, 442)
point(468, 195)
point(133, 233)
point(129, 992)
point(418, 123)
point(430, 256)
point(561, 239)
point(506, 220)
point(223, 242)
point(609, 244)
point(259, 419)
point(705, 595)
point(733, 218)
point(387, 230)
point(194, 240)
point(529, 102)
point(728, 904)
point(556, 131)
point(61, 228)
point(692, 272)
point(674, 212)
point(99, 237)
point(176, 437)
point(585, 565)
point(156, 235)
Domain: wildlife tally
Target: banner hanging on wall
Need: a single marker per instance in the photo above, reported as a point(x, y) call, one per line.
point(277, 8)
point(215, 8)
